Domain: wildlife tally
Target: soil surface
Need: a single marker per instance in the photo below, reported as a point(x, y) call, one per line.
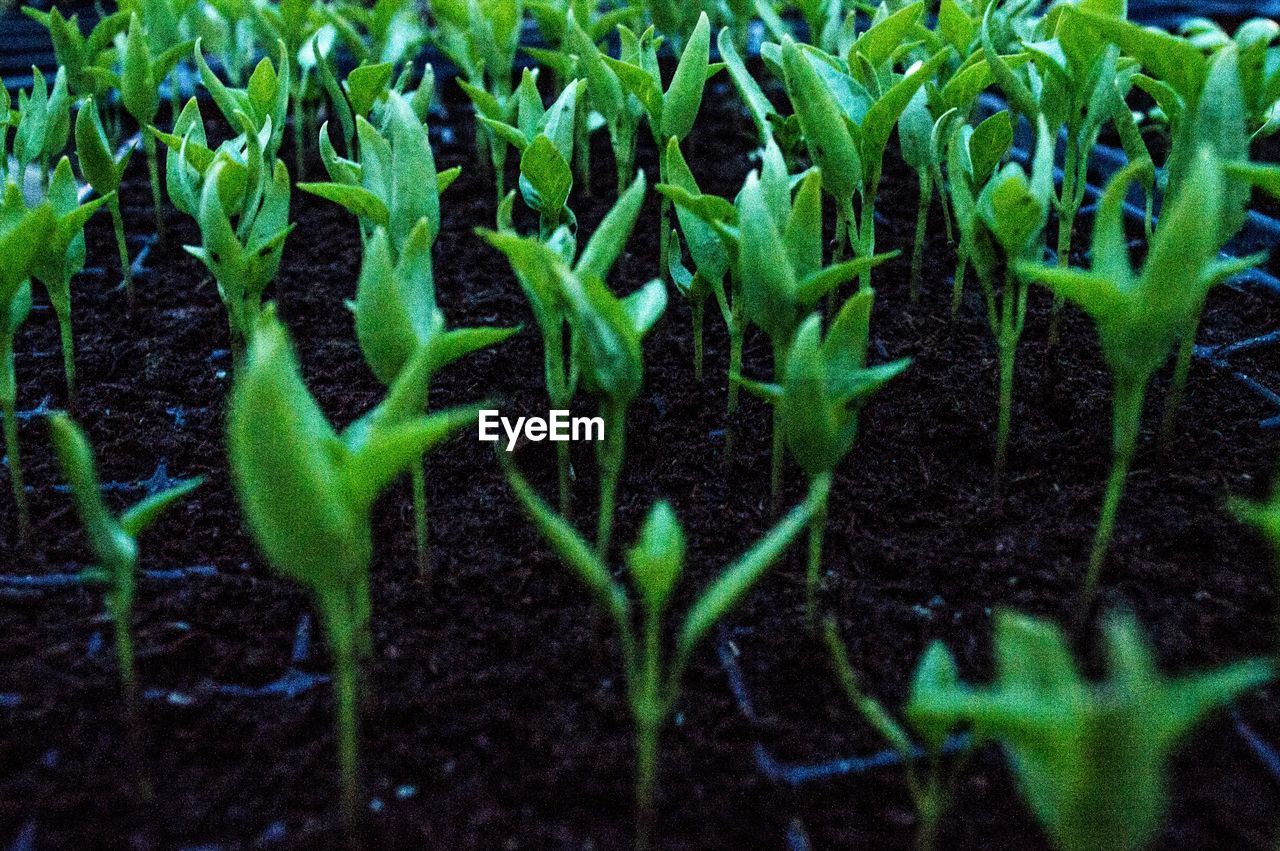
point(493, 714)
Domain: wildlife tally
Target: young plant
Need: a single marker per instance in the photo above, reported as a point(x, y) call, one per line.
point(818, 400)
point(671, 113)
point(783, 274)
point(540, 268)
point(544, 139)
point(930, 791)
point(655, 564)
point(291, 24)
point(139, 86)
point(22, 230)
point(396, 316)
point(1005, 218)
point(62, 254)
point(103, 171)
point(847, 112)
point(620, 109)
point(1090, 759)
point(1141, 314)
point(261, 108)
point(241, 205)
point(114, 539)
point(43, 124)
point(86, 57)
point(394, 184)
point(307, 493)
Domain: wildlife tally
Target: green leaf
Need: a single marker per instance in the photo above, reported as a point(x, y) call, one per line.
point(610, 238)
point(548, 175)
point(826, 132)
point(141, 515)
point(657, 559)
point(355, 199)
point(684, 96)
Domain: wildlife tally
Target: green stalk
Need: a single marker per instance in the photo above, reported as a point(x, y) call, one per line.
point(867, 231)
point(558, 391)
point(153, 169)
point(122, 580)
point(648, 711)
point(1005, 422)
point(582, 145)
point(126, 266)
point(609, 454)
point(922, 222)
point(1126, 419)
point(1068, 207)
point(419, 477)
point(779, 449)
point(1178, 384)
point(813, 576)
point(346, 675)
point(9, 399)
point(299, 140)
point(957, 282)
point(737, 333)
point(68, 353)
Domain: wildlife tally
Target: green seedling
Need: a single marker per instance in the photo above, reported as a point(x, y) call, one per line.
point(1090, 759)
point(385, 31)
point(139, 86)
point(670, 113)
point(847, 112)
point(261, 107)
point(544, 138)
point(540, 268)
point(61, 256)
point(103, 170)
point(86, 57)
point(241, 205)
point(783, 273)
point(481, 38)
point(366, 87)
point(291, 24)
point(396, 316)
point(1001, 223)
point(22, 231)
point(1141, 314)
point(113, 539)
point(394, 184)
point(43, 124)
point(826, 382)
point(931, 789)
point(307, 491)
point(655, 563)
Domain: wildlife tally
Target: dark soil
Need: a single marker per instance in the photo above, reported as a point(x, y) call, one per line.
point(494, 716)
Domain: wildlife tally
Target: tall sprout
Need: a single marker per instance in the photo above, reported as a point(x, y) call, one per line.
point(1141, 314)
point(103, 170)
point(653, 678)
point(307, 492)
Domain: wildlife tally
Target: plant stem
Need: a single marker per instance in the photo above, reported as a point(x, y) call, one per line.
point(126, 267)
point(299, 140)
point(1005, 422)
point(922, 222)
point(609, 453)
point(153, 168)
point(813, 577)
point(648, 712)
point(562, 475)
point(1126, 419)
point(736, 335)
point(1178, 384)
point(1067, 209)
point(418, 475)
point(867, 231)
point(957, 282)
point(9, 399)
point(68, 354)
point(779, 448)
point(346, 675)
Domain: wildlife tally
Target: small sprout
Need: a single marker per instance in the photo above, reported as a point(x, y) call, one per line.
point(307, 492)
point(394, 183)
point(1090, 759)
point(545, 139)
point(103, 171)
point(22, 231)
point(59, 257)
point(671, 113)
point(825, 384)
point(291, 24)
point(114, 540)
point(655, 563)
point(541, 269)
point(259, 108)
point(139, 87)
point(1141, 314)
point(86, 58)
point(620, 109)
point(43, 123)
point(1003, 217)
point(397, 316)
